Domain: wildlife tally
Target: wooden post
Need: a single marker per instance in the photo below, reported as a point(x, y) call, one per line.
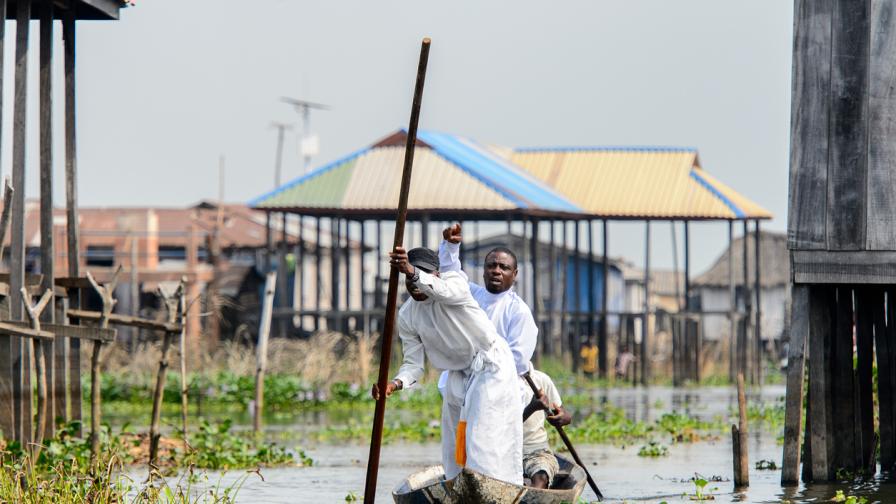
point(261, 360)
point(282, 322)
point(22, 404)
point(645, 326)
point(757, 287)
point(105, 292)
point(888, 403)
point(7, 424)
point(575, 336)
point(739, 439)
point(34, 313)
point(182, 315)
point(536, 300)
point(47, 252)
point(743, 346)
point(548, 343)
point(884, 381)
point(867, 300)
point(821, 301)
point(386, 348)
point(319, 275)
point(171, 301)
point(843, 380)
point(564, 282)
point(298, 288)
point(71, 210)
point(732, 307)
point(793, 412)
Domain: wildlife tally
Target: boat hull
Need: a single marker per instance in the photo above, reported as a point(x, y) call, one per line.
point(469, 487)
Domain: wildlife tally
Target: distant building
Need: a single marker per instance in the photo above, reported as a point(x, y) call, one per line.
point(710, 289)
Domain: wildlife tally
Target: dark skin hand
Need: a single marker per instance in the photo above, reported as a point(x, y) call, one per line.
point(555, 415)
point(392, 386)
point(399, 259)
point(452, 233)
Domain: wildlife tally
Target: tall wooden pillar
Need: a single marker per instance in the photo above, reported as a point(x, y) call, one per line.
point(71, 209)
point(645, 326)
point(8, 344)
point(21, 354)
point(319, 272)
point(605, 296)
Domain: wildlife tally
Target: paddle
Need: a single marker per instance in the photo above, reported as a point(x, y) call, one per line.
point(376, 438)
point(568, 443)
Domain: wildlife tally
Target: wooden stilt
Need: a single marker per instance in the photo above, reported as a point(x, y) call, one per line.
point(820, 308)
point(71, 212)
point(842, 377)
point(867, 298)
point(885, 386)
point(793, 412)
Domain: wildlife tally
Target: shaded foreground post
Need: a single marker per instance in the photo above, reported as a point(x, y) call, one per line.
point(373, 459)
point(739, 439)
point(172, 302)
point(105, 293)
point(264, 330)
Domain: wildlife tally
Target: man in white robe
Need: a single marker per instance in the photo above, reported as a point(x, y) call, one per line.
point(511, 315)
point(481, 407)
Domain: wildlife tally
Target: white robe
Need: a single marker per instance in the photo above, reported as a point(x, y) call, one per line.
point(481, 390)
point(511, 315)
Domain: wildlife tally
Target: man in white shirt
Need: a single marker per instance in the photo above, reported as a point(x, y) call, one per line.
point(481, 406)
point(539, 463)
point(510, 314)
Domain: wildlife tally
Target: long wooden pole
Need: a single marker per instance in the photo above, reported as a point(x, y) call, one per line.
point(264, 330)
point(568, 443)
point(373, 460)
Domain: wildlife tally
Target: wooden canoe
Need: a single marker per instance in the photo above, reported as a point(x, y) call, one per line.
point(469, 487)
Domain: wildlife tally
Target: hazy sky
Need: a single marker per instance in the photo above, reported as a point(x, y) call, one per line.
point(174, 84)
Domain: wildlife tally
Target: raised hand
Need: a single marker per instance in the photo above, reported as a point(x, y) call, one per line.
point(399, 259)
point(452, 233)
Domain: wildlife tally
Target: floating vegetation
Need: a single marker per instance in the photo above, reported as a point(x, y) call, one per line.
point(653, 449)
point(766, 465)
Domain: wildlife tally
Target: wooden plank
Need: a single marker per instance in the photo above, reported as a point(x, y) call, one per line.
point(866, 299)
point(71, 208)
point(645, 324)
point(842, 377)
point(890, 337)
point(15, 329)
point(885, 386)
point(22, 354)
point(848, 136)
point(856, 267)
point(881, 177)
point(810, 111)
point(821, 301)
point(125, 320)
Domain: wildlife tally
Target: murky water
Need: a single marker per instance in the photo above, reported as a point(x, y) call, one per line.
point(621, 474)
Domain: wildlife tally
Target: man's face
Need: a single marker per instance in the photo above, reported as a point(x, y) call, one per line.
point(417, 294)
point(500, 272)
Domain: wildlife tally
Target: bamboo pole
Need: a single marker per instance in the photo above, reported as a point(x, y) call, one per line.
point(182, 314)
point(373, 459)
point(739, 439)
point(264, 330)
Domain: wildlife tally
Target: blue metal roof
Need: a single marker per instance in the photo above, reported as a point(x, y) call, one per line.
point(499, 174)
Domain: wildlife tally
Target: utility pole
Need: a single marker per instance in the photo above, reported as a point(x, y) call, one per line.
point(282, 128)
point(304, 107)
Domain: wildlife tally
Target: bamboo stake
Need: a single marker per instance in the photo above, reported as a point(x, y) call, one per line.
point(739, 439)
point(105, 291)
point(40, 364)
point(172, 302)
point(373, 460)
point(182, 306)
point(264, 330)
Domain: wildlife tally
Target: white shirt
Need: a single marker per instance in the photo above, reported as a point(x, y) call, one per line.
point(535, 437)
point(507, 311)
point(449, 327)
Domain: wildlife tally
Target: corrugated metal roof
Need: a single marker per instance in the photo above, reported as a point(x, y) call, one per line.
point(450, 173)
point(637, 182)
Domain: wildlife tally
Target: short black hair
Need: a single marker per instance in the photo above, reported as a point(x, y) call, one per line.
point(506, 251)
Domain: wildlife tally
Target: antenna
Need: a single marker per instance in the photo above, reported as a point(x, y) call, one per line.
point(304, 108)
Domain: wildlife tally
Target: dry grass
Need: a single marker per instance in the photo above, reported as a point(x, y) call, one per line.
point(324, 358)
